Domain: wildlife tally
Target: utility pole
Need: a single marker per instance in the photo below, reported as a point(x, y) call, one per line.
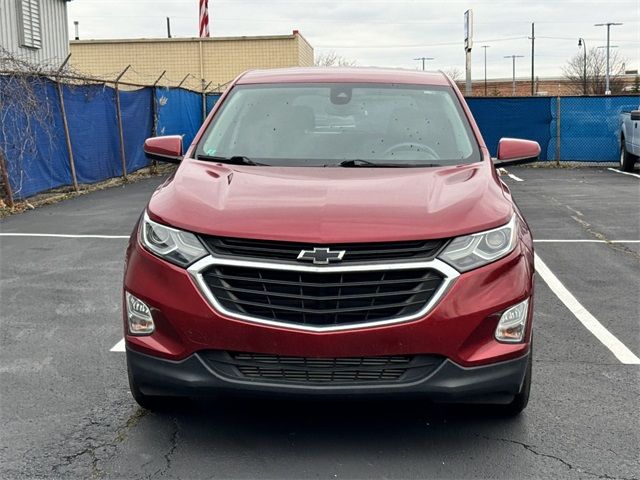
point(468, 45)
point(608, 25)
point(513, 59)
point(168, 27)
point(76, 26)
point(424, 59)
point(533, 51)
point(485, 68)
point(583, 44)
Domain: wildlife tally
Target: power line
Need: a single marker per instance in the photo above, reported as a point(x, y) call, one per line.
point(607, 91)
point(513, 59)
point(417, 45)
point(424, 59)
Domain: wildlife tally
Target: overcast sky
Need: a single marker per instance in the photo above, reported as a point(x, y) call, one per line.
point(389, 33)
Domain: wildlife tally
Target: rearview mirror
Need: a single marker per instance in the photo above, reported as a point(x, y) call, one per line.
point(164, 149)
point(513, 151)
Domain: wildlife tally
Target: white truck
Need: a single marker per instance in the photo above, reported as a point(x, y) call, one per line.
point(629, 139)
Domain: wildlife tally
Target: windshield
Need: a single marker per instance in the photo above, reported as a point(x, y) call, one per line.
point(326, 124)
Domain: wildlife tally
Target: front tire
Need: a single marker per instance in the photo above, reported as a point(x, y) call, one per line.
point(521, 400)
point(148, 402)
point(627, 160)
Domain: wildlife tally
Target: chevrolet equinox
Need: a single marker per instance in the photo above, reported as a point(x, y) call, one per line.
point(333, 231)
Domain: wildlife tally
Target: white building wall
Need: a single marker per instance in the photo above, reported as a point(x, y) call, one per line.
point(54, 32)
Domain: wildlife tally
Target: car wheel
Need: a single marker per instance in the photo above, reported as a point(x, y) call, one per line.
point(627, 160)
point(520, 401)
point(148, 402)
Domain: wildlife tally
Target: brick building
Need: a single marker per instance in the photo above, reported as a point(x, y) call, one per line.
point(503, 87)
point(216, 59)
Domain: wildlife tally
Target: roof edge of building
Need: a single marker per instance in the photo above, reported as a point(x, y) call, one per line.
point(302, 37)
point(183, 39)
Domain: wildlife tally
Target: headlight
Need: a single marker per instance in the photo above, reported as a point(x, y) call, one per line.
point(473, 251)
point(175, 246)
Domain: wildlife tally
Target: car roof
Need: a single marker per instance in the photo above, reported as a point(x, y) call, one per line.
point(342, 75)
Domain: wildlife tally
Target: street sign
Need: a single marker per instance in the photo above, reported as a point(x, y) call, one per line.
point(468, 29)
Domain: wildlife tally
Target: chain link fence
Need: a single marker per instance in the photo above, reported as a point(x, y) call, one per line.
point(58, 130)
point(571, 130)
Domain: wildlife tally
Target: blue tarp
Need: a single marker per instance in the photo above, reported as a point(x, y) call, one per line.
point(39, 162)
point(91, 114)
point(589, 127)
point(179, 113)
point(36, 152)
point(212, 98)
point(526, 117)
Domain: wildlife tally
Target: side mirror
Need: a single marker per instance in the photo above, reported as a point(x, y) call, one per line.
point(635, 115)
point(513, 151)
point(164, 149)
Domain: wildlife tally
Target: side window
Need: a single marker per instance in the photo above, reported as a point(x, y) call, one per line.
point(29, 26)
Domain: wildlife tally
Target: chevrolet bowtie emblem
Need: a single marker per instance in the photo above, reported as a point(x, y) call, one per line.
point(321, 256)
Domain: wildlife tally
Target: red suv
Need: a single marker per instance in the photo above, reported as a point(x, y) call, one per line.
point(333, 231)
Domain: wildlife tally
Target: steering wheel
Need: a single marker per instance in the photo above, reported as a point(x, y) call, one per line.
point(407, 146)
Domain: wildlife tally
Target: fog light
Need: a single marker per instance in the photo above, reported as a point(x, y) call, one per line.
point(513, 322)
point(139, 316)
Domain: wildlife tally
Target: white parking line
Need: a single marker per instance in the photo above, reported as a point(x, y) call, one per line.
point(118, 347)
point(582, 240)
point(503, 171)
point(624, 173)
point(517, 179)
point(59, 235)
point(590, 322)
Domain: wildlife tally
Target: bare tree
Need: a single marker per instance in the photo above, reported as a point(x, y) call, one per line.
point(23, 115)
point(596, 63)
point(332, 59)
point(454, 73)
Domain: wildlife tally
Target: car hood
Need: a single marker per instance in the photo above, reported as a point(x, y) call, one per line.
point(331, 205)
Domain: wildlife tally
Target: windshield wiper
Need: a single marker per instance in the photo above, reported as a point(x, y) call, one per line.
point(234, 160)
point(366, 163)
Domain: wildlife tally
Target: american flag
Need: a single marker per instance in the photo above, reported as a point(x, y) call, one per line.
point(204, 18)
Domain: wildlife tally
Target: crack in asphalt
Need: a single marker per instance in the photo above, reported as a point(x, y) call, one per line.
point(173, 446)
point(601, 236)
point(108, 447)
point(592, 231)
point(532, 449)
point(70, 459)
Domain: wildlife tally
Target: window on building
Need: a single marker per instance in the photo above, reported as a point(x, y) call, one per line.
point(29, 23)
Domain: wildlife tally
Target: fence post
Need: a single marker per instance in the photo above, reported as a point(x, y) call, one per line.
point(154, 107)
point(154, 113)
point(5, 180)
point(65, 124)
point(183, 80)
point(119, 116)
point(558, 131)
point(204, 100)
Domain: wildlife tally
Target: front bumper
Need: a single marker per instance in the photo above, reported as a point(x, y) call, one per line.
point(449, 382)
point(460, 327)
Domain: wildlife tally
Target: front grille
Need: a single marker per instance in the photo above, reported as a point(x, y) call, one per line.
point(419, 250)
point(321, 371)
point(321, 298)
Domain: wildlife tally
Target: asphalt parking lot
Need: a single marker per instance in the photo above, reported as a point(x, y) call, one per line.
point(67, 413)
